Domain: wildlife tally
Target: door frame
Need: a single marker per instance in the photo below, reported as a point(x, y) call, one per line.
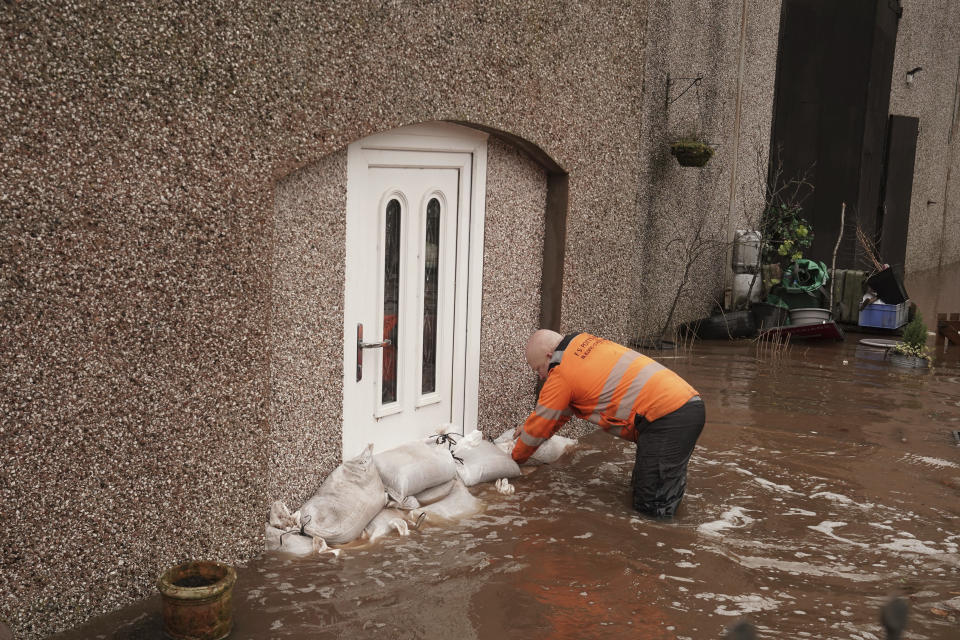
point(435, 137)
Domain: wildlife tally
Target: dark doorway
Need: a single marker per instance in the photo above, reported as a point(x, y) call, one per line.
point(832, 96)
point(894, 216)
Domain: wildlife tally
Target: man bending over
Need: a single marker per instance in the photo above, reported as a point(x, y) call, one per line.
point(626, 394)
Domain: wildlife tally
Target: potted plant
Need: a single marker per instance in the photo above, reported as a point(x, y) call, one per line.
point(691, 152)
point(912, 351)
point(786, 234)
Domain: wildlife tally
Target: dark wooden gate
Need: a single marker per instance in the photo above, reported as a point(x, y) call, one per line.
point(831, 102)
point(894, 215)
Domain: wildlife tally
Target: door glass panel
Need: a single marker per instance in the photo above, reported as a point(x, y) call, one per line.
point(391, 301)
point(431, 266)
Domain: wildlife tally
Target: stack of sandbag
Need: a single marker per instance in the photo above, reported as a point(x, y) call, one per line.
point(549, 451)
point(393, 491)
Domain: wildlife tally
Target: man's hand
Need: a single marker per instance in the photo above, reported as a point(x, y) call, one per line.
point(517, 432)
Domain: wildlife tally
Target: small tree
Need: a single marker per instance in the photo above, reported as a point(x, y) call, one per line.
point(914, 339)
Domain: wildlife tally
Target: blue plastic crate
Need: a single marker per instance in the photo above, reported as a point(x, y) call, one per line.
point(884, 316)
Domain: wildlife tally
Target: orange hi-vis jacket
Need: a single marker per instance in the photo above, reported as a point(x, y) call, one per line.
point(605, 383)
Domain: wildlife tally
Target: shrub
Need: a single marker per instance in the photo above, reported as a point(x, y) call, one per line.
point(914, 338)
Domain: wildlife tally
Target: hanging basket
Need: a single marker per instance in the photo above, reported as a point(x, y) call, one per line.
point(690, 153)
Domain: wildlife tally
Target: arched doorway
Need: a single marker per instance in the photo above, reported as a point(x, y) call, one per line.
point(414, 256)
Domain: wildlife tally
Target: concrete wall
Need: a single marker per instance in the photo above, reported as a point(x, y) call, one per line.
point(306, 407)
point(733, 47)
point(512, 256)
point(927, 38)
point(155, 161)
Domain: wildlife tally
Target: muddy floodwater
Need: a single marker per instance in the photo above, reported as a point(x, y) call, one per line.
point(824, 483)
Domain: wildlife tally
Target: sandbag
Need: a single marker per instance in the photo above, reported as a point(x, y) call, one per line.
point(395, 501)
point(484, 462)
point(412, 467)
point(435, 494)
point(346, 501)
point(281, 518)
point(548, 452)
point(385, 523)
point(460, 503)
point(289, 541)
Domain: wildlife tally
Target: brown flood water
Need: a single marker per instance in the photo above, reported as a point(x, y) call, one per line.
point(823, 484)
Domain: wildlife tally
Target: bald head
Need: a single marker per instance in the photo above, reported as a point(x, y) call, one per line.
point(540, 348)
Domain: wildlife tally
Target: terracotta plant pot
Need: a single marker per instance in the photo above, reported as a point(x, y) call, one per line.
point(691, 153)
point(197, 600)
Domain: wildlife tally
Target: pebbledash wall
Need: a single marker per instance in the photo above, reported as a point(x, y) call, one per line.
point(928, 37)
point(171, 178)
point(172, 239)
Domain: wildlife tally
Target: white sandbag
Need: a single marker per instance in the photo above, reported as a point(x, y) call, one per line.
point(549, 451)
point(412, 467)
point(435, 494)
point(346, 501)
point(281, 518)
point(485, 462)
point(468, 441)
point(289, 541)
point(460, 503)
point(406, 503)
point(385, 523)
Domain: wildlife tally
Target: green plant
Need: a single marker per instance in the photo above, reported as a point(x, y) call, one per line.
point(787, 234)
point(691, 153)
point(914, 339)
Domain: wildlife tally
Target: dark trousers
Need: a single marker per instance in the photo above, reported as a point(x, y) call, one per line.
point(664, 447)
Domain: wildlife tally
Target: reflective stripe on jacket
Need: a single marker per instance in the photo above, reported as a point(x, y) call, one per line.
point(605, 383)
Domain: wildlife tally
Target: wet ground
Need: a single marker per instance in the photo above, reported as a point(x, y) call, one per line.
point(824, 483)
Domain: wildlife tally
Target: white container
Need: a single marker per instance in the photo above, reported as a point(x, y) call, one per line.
point(810, 315)
point(746, 251)
point(746, 287)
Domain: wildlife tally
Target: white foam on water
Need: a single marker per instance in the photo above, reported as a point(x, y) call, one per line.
point(664, 576)
point(688, 565)
point(879, 525)
point(931, 462)
point(910, 545)
point(772, 485)
point(740, 605)
point(799, 512)
point(827, 528)
point(584, 536)
point(735, 518)
point(842, 499)
point(739, 469)
point(683, 551)
point(847, 572)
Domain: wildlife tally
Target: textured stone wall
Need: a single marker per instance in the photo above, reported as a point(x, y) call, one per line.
point(927, 37)
point(306, 365)
point(512, 255)
point(145, 150)
point(732, 46)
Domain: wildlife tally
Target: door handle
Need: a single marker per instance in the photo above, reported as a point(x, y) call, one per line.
point(373, 345)
point(361, 345)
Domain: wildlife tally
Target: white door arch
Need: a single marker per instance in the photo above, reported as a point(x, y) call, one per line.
point(414, 262)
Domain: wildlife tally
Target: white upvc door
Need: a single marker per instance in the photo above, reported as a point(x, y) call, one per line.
point(411, 325)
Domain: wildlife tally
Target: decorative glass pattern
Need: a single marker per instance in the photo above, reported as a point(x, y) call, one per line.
point(431, 272)
point(391, 301)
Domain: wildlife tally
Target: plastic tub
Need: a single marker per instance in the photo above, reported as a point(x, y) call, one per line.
point(884, 316)
point(810, 315)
